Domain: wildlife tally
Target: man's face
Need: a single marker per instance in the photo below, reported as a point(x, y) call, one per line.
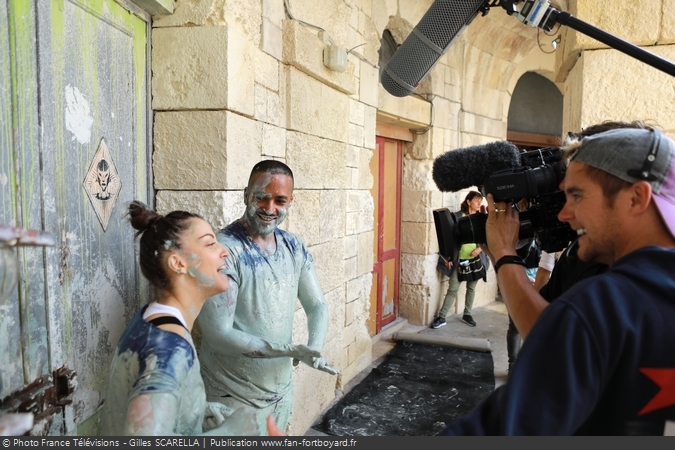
point(267, 200)
point(590, 214)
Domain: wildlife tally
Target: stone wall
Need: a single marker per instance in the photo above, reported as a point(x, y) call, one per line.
point(603, 83)
point(236, 81)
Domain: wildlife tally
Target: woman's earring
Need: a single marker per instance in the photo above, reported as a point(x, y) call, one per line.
point(179, 271)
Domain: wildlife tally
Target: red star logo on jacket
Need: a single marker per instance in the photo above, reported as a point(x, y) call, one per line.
point(665, 379)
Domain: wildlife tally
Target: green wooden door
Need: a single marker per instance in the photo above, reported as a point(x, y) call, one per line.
point(11, 374)
point(78, 152)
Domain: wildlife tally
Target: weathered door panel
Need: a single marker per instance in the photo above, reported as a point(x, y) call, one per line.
point(11, 377)
point(390, 225)
point(23, 314)
point(93, 87)
point(73, 153)
point(31, 287)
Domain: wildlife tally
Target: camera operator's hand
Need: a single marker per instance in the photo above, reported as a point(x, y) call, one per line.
point(522, 300)
point(501, 229)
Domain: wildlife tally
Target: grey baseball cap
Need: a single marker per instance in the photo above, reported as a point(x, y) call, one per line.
point(634, 154)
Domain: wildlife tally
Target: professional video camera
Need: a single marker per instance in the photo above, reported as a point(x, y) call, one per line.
point(537, 181)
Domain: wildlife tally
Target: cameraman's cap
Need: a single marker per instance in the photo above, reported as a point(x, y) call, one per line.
point(634, 154)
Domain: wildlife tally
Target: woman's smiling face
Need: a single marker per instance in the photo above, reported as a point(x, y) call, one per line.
point(204, 256)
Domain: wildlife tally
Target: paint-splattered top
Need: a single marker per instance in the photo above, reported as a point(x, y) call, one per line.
point(150, 360)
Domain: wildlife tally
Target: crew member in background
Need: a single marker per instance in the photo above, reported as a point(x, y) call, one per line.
point(471, 266)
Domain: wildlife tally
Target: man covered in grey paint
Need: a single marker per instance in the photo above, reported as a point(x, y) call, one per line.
point(247, 331)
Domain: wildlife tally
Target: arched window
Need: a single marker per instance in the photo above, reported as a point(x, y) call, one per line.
point(535, 113)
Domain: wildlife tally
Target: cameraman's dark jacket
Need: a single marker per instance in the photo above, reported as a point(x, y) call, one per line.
point(597, 361)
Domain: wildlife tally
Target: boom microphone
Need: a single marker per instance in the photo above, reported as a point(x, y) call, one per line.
point(429, 40)
point(466, 167)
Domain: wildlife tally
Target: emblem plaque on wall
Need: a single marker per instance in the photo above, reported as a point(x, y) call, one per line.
point(102, 184)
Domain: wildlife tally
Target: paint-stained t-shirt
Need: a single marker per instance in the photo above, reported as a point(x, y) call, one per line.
point(150, 360)
point(266, 302)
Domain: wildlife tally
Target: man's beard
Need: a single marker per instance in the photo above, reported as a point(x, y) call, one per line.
point(258, 225)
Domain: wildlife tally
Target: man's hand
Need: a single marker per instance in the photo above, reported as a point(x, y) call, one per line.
point(305, 354)
point(322, 365)
point(215, 414)
point(501, 229)
point(319, 364)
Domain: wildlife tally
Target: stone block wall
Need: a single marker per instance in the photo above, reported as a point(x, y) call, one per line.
point(603, 83)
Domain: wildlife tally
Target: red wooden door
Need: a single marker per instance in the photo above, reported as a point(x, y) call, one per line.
point(386, 169)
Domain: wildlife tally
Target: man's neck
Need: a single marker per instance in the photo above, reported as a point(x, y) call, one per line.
point(647, 236)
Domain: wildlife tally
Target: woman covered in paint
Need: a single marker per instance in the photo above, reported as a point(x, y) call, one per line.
point(154, 386)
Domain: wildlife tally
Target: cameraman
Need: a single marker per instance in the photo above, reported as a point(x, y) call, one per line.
point(601, 358)
point(569, 269)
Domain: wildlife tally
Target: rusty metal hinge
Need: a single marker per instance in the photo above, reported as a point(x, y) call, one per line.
point(45, 398)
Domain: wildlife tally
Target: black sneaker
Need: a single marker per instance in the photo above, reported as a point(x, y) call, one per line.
point(438, 322)
point(467, 319)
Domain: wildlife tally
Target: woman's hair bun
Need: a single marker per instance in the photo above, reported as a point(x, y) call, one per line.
point(141, 217)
